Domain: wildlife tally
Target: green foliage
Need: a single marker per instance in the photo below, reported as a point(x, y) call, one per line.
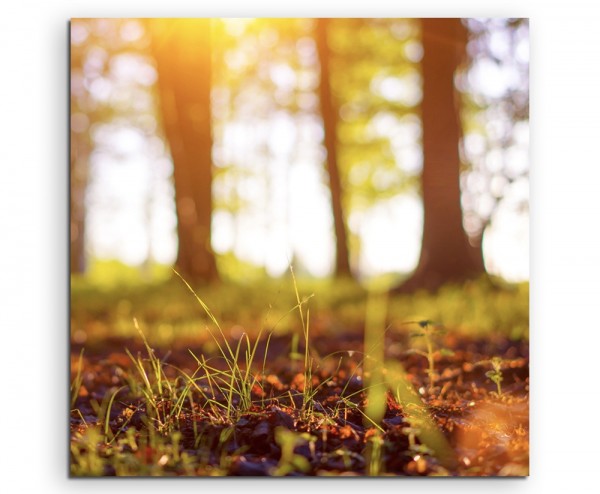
point(496, 373)
point(237, 271)
point(374, 455)
point(307, 390)
point(132, 454)
point(428, 329)
point(476, 308)
point(154, 387)
point(368, 57)
point(170, 316)
point(376, 312)
point(110, 274)
point(76, 384)
point(86, 460)
point(237, 381)
point(222, 387)
point(290, 461)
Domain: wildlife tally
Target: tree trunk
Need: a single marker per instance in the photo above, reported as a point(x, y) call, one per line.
point(183, 60)
point(80, 151)
point(446, 255)
point(78, 175)
point(328, 112)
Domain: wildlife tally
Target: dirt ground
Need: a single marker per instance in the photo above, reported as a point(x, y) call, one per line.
point(487, 431)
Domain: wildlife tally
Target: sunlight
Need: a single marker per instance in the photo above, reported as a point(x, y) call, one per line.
point(269, 271)
point(506, 246)
point(272, 201)
point(390, 236)
point(389, 233)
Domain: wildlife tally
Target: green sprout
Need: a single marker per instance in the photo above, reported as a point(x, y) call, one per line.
point(307, 391)
point(291, 461)
point(375, 455)
point(496, 373)
point(427, 329)
point(413, 447)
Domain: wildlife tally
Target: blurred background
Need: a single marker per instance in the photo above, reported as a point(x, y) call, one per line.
point(232, 147)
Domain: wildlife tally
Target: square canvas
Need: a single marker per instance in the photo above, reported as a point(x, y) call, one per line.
point(299, 247)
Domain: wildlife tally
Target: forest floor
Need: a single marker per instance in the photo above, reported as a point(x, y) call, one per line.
point(354, 385)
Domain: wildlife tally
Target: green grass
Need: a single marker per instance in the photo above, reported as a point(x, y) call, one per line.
point(226, 392)
point(171, 316)
point(76, 384)
point(223, 386)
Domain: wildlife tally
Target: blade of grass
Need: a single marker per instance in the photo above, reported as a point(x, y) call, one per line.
point(76, 385)
point(107, 417)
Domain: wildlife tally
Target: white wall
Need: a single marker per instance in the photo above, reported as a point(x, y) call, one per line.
point(565, 266)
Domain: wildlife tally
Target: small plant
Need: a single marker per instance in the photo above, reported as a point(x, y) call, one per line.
point(290, 461)
point(236, 382)
point(374, 454)
point(307, 390)
point(427, 331)
point(413, 447)
point(86, 459)
point(155, 387)
point(496, 373)
point(421, 421)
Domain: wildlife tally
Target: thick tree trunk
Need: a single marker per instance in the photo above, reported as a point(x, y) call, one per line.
point(183, 59)
point(328, 112)
point(446, 255)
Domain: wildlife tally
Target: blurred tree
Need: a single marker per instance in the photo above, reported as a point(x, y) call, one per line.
point(267, 80)
point(110, 92)
point(87, 64)
point(252, 156)
point(495, 118)
point(183, 59)
point(330, 120)
point(446, 254)
point(375, 85)
point(78, 169)
point(268, 122)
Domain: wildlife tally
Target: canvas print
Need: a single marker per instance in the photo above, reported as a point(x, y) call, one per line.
point(299, 247)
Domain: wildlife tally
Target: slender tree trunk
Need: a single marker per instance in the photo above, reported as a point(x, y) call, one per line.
point(183, 59)
point(78, 176)
point(80, 151)
point(446, 255)
point(328, 112)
